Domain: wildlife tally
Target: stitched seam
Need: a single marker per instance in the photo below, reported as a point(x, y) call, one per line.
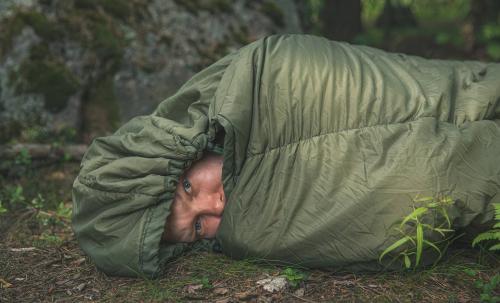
point(333, 132)
point(143, 236)
point(115, 192)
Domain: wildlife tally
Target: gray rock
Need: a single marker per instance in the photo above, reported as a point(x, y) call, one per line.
point(162, 48)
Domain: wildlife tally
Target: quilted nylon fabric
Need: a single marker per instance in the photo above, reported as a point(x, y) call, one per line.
point(325, 146)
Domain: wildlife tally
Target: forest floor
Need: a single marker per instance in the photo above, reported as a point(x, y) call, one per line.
point(40, 261)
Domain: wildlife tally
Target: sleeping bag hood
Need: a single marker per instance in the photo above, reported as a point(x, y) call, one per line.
point(325, 147)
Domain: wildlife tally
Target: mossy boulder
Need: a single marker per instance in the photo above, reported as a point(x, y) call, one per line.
point(49, 78)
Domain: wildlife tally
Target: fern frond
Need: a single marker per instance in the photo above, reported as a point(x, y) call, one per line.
point(495, 247)
point(497, 210)
point(489, 235)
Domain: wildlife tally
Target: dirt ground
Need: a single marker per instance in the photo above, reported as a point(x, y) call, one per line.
point(40, 261)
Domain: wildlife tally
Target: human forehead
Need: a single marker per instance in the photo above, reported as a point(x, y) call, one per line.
point(205, 167)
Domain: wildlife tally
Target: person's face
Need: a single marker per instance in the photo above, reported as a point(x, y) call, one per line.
point(198, 203)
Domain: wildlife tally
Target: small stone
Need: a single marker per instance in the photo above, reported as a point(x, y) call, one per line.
point(299, 292)
point(273, 284)
point(192, 288)
point(80, 287)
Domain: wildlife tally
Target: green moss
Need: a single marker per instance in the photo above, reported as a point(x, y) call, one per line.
point(47, 30)
point(240, 35)
point(40, 52)
point(272, 10)
point(106, 43)
point(12, 27)
point(9, 29)
point(117, 8)
point(101, 107)
point(213, 6)
point(49, 78)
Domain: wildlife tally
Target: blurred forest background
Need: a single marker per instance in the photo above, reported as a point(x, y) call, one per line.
point(72, 70)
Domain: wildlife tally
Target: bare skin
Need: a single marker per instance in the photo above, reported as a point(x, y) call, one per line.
point(198, 203)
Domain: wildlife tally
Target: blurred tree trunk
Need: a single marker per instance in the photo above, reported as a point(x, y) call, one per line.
point(395, 15)
point(482, 12)
point(341, 19)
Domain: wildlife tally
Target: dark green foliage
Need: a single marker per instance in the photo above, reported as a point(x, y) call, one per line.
point(49, 78)
point(272, 10)
point(117, 8)
point(103, 105)
point(44, 28)
point(107, 44)
point(294, 276)
point(213, 6)
point(9, 28)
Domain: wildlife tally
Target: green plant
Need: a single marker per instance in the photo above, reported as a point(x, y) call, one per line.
point(293, 276)
point(487, 288)
point(2, 208)
point(23, 158)
point(413, 226)
point(206, 283)
point(12, 196)
point(493, 233)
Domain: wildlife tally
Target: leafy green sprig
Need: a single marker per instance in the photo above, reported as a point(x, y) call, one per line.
point(413, 226)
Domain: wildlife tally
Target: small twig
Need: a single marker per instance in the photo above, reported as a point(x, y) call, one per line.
point(43, 151)
point(22, 249)
point(302, 299)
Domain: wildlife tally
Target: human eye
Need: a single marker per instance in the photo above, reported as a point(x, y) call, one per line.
point(197, 227)
point(186, 185)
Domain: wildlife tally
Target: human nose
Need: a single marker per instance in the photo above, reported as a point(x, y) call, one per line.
point(215, 204)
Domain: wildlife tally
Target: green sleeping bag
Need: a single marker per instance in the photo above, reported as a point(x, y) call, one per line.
point(326, 146)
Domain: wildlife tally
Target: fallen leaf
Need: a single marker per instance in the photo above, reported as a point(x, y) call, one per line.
point(225, 300)
point(244, 296)
point(192, 288)
point(220, 291)
point(4, 284)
